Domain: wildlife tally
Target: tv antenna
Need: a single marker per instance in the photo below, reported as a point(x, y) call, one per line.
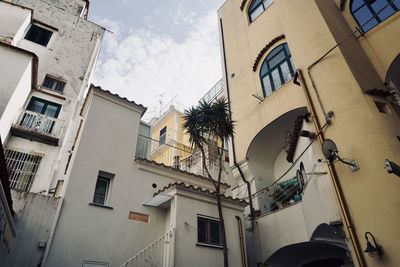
point(331, 153)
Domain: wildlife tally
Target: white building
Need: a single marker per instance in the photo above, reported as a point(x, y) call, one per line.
point(118, 210)
point(48, 50)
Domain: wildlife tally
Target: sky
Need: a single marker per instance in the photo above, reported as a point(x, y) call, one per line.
point(159, 50)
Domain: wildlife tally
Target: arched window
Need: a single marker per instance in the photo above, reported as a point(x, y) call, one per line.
point(277, 69)
point(257, 7)
point(369, 13)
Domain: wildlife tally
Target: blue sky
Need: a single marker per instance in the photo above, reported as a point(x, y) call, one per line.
point(158, 47)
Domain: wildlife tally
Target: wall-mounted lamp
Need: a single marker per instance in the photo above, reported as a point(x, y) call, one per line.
point(371, 249)
point(392, 167)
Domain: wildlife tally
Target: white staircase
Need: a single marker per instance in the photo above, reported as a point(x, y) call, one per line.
point(160, 253)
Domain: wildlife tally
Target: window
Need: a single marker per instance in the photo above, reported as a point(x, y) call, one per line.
point(38, 35)
point(369, 13)
point(22, 168)
point(163, 136)
point(53, 84)
point(277, 69)
point(208, 231)
point(102, 189)
point(257, 7)
point(44, 107)
point(176, 163)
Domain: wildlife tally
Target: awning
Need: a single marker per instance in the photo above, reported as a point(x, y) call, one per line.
point(299, 254)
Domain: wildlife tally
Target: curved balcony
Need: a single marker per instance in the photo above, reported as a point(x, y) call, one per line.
point(38, 127)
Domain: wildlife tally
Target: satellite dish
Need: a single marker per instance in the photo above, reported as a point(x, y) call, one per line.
point(329, 150)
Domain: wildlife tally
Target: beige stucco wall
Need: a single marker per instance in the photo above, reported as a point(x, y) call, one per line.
point(187, 252)
point(360, 131)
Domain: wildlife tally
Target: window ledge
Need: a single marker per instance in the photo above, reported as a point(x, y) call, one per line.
point(260, 94)
point(100, 206)
point(51, 92)
point(209, 245)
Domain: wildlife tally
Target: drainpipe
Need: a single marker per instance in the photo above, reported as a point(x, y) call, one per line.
point(233, 143)
point(242, 249)
point(332, 170)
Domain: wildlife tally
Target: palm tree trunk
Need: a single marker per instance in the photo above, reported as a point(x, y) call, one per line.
point(223, 233)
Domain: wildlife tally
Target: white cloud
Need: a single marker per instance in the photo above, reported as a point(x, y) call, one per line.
point(142, 64)
point(184, 17)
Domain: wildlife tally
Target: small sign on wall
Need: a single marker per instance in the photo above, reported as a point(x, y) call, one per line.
point(136, 216)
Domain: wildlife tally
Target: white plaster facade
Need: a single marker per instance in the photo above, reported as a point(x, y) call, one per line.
point(16, 76)
point(104, 234)
point(69, 56)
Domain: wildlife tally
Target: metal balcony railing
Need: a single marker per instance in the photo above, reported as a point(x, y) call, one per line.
point(178, 156)
point(214, 92)
point(160, 253)
point(38, 124)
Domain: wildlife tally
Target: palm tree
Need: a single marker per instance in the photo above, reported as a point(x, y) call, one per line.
point(205, 123)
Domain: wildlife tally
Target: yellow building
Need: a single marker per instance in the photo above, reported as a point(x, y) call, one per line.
point(170, 145)
point(298, 72)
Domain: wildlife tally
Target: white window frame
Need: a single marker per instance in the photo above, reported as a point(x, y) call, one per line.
point(106, 176)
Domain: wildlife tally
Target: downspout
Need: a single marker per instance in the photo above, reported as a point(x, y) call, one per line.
point(332, 170)
point(233, 142)
point(242, 249)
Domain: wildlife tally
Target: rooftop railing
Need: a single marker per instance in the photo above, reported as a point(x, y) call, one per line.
point(214, 92)
point(178, 155)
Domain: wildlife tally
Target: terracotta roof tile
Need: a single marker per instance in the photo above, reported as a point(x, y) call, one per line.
point(295, 137)
point(120, 97)
point(199, 189)
point(265, 49)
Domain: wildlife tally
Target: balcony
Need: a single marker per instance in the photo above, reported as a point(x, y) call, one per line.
point(179, 156)
point(38, 127)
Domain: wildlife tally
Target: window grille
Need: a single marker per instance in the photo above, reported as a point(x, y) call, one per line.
point(53, 84)
point(22, 168)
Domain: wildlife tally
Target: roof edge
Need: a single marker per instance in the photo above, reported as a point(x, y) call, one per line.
point(142, 109)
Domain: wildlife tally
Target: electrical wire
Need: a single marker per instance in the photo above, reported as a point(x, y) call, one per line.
point(292, 166)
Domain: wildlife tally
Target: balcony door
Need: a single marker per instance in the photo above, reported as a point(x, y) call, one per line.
point(44, 107)
point(43, 123)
